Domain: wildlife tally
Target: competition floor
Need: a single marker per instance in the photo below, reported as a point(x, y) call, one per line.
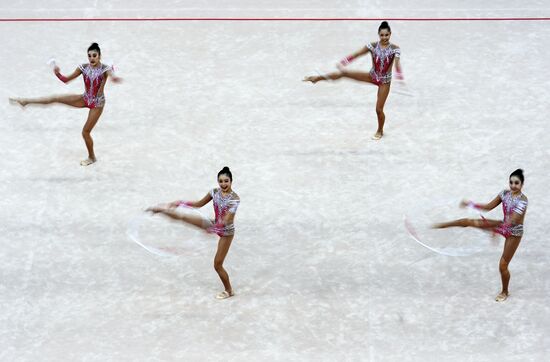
point(322, 266)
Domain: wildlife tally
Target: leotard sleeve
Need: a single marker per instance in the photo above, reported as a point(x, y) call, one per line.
point(233, 205)
point(520, 206)
point(397, 52)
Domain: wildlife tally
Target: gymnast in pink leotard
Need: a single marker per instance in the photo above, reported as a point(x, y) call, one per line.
point(226, 202)
point(95, 76)
point(94, 82)
point(514, 207)
point(384, 56)
point(382, 62)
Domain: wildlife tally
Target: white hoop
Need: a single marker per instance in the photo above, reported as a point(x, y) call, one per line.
point(446, 251)
point(133, 232)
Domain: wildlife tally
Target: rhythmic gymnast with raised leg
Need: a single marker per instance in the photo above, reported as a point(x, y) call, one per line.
point(514, 207)
point(384, 56)
point(225, 202)
point(95, 76)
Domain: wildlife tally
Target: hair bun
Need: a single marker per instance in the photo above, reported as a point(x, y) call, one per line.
point(518, 173)
point(95, 47)
point(225, 171)
point(384, 25)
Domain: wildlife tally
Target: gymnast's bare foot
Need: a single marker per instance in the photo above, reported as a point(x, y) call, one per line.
point(19, 101)
point(88, 161)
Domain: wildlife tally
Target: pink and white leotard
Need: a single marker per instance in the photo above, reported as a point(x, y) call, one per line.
point(382, 62)
point(94, 81)
point(222, 206)
point(511, 204)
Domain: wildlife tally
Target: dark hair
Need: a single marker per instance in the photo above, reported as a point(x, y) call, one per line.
point(519, 174)
point(384, 25)
point(226, 171)
point(95, 47)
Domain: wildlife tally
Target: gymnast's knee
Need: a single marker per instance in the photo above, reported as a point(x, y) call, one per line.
point(218, 265)
point(503, 265)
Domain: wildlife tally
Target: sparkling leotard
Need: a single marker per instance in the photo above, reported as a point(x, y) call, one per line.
point(222, 206)
point(94, 80)
point(382, 62)
point(511, 204)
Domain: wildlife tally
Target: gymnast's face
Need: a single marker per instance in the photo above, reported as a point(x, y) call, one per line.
point(384, 35)
point(515, 184)
point(225, 182)
point(93, 57)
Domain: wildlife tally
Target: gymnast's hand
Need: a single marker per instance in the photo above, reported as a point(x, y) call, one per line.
point(464, 203)
point(116, 79)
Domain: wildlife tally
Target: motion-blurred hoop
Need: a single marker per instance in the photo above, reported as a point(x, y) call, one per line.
point(446, 251)
point(135, 226)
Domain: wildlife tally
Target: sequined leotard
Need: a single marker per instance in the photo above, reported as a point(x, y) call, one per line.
point(382, 62)
point(511, 204)
point(222, 206)
point(94, 81)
